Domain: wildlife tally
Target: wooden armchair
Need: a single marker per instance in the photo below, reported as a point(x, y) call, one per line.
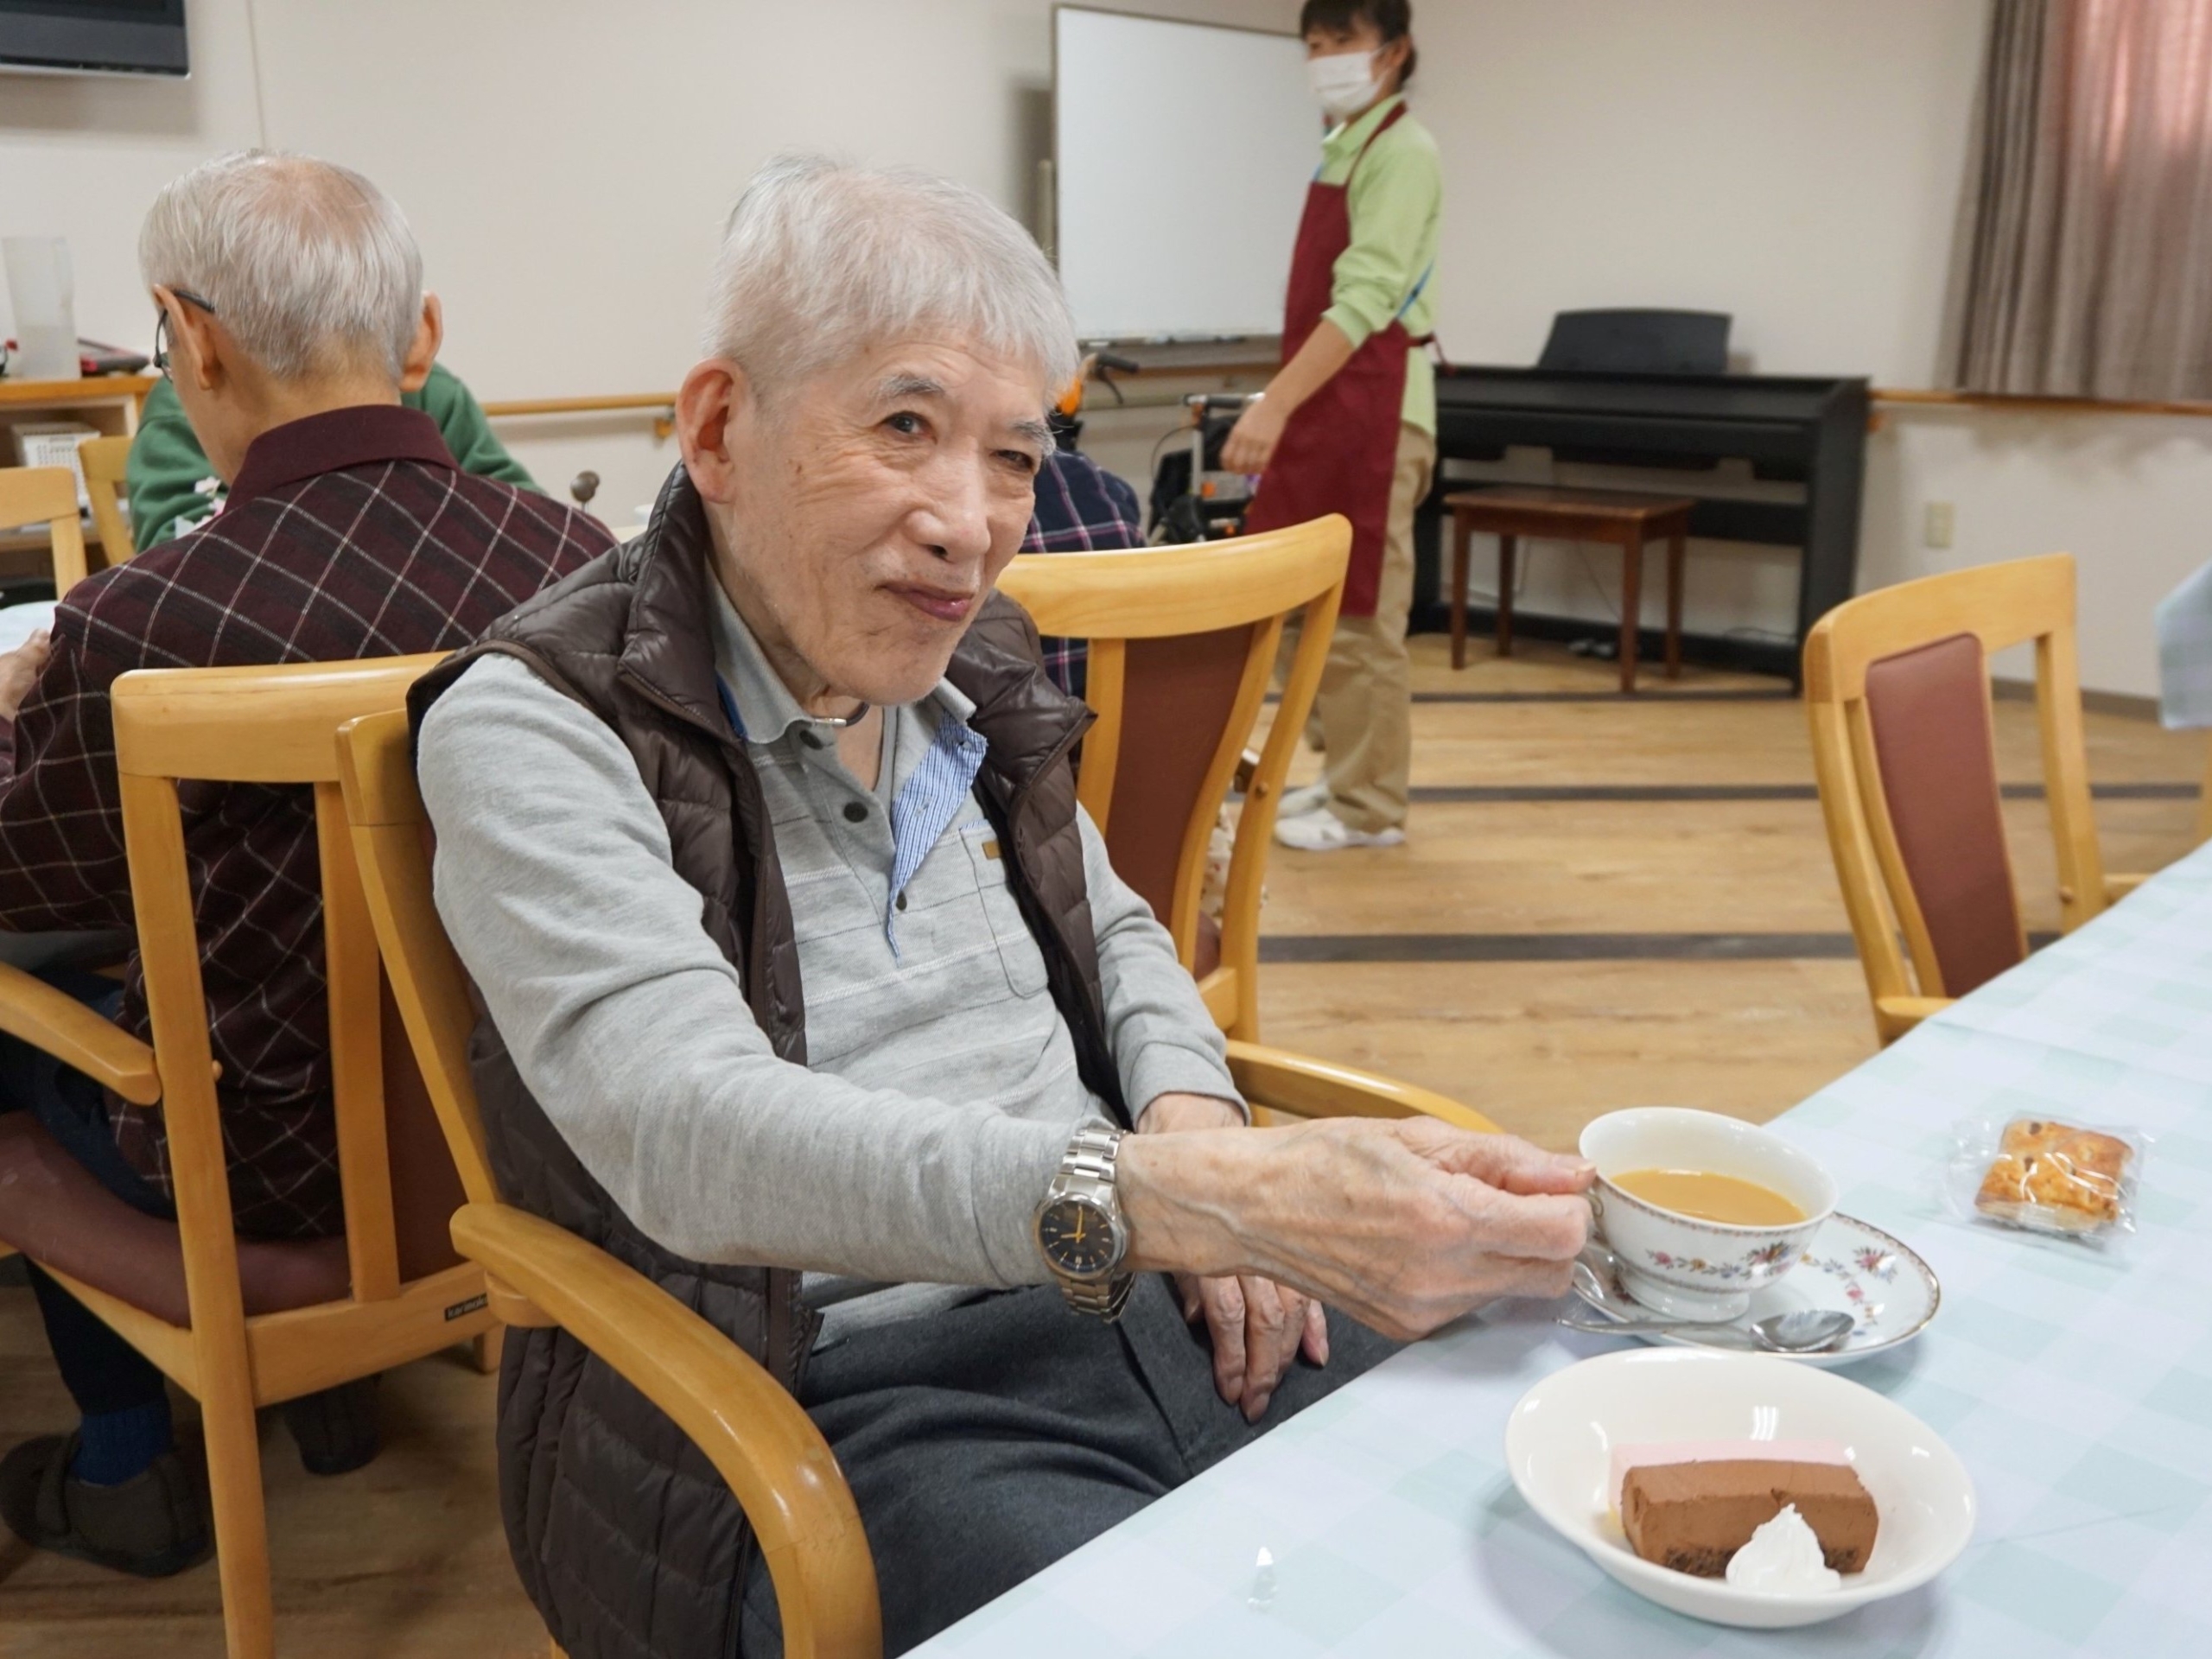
point(1897, 686)
point(106, 461)
point(46, 495)
point(1183, 641)
point(776, 1462)
point(242, 1324)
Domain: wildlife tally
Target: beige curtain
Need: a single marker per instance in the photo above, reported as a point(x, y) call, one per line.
point(2084, 265)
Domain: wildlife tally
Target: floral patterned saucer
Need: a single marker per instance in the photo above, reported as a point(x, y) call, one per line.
point(1878, 1280)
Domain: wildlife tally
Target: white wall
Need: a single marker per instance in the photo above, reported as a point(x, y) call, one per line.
point(1798, 164)
point(566, 163)
point(83, 156)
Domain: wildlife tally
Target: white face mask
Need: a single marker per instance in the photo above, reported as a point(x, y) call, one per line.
point(1346, 82)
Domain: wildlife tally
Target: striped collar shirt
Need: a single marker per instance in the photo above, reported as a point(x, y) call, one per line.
point(924, 777)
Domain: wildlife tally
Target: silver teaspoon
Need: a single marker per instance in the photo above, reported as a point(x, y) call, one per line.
point(1808, 1331)
point(1596, 1274)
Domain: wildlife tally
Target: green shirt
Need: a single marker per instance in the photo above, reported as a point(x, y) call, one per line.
point(173, 489)
point(1397, 203)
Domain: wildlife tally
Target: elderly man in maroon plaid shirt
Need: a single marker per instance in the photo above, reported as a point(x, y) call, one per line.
point(291, 301)
point(1081, 508)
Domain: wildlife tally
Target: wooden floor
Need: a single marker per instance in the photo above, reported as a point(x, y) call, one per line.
point(1605, 902)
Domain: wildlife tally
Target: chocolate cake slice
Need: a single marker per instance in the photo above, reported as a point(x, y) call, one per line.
point(1692, 1516)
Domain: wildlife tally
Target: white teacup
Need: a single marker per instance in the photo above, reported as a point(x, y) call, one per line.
point(1682, 1266)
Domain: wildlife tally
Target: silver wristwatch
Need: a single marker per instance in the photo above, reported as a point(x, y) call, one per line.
point(1079, 1227)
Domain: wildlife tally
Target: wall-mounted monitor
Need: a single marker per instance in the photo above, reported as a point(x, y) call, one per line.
point(93, 37)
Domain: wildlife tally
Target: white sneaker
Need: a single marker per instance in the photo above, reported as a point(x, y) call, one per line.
point(1323, 831)
point(1307, 797)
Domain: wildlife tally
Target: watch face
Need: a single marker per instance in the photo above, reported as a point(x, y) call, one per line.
point(1076, 1237)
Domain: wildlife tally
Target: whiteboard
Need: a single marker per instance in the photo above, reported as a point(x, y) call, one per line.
point(1181, 153)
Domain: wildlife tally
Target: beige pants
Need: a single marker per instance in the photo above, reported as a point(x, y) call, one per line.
point(1363, 712)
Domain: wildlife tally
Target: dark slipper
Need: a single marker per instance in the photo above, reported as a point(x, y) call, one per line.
point(336, 1429)
point(151, 1526)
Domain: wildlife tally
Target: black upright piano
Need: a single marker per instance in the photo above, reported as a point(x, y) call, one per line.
point(1811, 431)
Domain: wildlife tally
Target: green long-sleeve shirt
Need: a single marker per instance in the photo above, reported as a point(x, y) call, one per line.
point(173, 489)
point(1397, 203)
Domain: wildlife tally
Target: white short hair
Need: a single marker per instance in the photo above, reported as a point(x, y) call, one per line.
point(821, 260)
point(310, 267)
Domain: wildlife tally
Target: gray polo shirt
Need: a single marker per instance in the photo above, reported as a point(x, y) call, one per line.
point(907, 1156)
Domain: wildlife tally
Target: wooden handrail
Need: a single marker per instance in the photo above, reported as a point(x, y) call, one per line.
point(2009, 402)
point(2024, 405)
point(613, 401)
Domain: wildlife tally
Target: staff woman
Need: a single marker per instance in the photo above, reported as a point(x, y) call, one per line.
point(1349, 424)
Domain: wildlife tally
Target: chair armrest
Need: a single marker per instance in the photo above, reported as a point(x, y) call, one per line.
point(1305, 1087)
point(1895, 1015)
point(2117, 888)
point(777, 1463)
point(57, 1024)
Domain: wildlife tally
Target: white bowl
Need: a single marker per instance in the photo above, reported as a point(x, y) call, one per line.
point(1558, 1445)
point(1684, 1268)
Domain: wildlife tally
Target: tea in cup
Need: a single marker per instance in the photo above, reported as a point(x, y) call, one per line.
point(1701, 1210)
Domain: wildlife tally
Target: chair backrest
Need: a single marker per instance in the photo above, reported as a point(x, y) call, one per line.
point(1183, 641)
point(1897, 686)
point(46, 495)
point(392, 846)
point(106, 461)
point(1638, 342)
point(782, 1473)
point(277, 726)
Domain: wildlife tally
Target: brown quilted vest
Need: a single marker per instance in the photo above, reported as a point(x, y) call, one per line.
point(626, 1537)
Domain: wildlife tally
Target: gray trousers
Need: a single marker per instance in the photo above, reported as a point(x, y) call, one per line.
point(983, 1444)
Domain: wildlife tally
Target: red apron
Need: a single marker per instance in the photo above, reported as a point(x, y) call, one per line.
point(1340, 451)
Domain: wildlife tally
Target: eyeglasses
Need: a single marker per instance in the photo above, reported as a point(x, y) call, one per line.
point(162, 327)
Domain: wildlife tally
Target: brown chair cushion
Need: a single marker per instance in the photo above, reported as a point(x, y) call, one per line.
point(1180, 694)
point(53, 1211)
point(425, 1186)
point(1929, 712)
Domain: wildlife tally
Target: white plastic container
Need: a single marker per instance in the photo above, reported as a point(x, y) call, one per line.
point(42, 292)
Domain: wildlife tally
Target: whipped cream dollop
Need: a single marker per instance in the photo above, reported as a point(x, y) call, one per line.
point(1783, 1558)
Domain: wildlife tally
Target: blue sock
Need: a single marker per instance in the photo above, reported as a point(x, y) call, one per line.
point(118, 1445)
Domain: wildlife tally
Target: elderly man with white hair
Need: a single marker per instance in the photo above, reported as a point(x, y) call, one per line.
point(812, 994)
point(291, 309)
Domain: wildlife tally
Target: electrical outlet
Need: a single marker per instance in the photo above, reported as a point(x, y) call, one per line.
point(1943, 521)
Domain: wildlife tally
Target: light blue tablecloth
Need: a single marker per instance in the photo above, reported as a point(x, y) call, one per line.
point(2078, 1390)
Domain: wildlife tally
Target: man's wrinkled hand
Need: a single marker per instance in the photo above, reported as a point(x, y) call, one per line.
point(1404, 1224)
point(1257, 1326)
point(19, 671)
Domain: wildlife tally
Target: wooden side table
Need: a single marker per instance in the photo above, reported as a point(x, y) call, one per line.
point(1630, 522)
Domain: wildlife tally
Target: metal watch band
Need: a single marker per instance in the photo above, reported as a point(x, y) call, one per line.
point(1090, 1157)
point(1102, 1297)
point(1087, 1170)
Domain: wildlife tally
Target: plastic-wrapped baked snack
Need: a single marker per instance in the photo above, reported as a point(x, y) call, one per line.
point(2049, 1177)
